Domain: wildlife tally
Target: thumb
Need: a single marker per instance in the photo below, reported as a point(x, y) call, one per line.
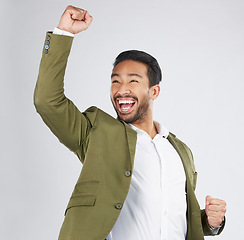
point(208, 199)
point(78, 14)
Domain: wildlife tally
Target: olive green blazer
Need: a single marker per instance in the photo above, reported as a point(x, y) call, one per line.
point(106, 147)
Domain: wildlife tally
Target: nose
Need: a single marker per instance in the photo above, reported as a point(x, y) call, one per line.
point(123, 89)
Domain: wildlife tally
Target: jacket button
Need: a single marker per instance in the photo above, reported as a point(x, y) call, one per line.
point(118, 206)
point(128, 173)
point(48, 37)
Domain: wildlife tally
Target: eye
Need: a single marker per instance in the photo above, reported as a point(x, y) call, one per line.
point(134, 81)
point(115, 81)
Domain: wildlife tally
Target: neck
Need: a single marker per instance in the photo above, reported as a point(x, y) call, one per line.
point(147, 126)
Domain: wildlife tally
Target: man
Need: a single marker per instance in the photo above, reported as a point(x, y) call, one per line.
point(137, 180)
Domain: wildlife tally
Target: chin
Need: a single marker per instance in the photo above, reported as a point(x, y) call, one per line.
point(128, 118)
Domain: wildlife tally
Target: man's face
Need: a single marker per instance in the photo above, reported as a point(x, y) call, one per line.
point(130, 92)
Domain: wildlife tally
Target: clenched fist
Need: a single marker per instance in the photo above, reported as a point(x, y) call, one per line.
point(74, 20)
point(215, 210)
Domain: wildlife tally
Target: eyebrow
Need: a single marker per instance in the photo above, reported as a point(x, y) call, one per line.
point(129, 75)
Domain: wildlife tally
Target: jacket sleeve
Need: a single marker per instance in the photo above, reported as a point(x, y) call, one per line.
point(206, 228)
point(58, 112)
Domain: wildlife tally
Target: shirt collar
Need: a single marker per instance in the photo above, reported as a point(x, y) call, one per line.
point(162, 131)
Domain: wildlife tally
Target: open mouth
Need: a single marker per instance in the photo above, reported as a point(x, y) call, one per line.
point(125, 105)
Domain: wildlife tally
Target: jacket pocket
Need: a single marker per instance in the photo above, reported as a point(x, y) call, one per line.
point(81, 200)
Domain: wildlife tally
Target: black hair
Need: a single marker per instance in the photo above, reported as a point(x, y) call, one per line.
point(154, 71)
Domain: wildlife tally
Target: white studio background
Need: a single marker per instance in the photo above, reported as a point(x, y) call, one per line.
point(199, 45)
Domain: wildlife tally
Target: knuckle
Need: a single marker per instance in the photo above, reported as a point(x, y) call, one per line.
point(211, 207)
point(220, 219)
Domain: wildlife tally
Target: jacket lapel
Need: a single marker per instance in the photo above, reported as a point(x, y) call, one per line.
point(131, 139)
point(181, 151)
point(194, 230)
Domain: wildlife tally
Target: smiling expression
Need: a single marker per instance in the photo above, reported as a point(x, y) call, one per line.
point(130, 93)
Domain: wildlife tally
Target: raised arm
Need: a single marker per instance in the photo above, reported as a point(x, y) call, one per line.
point(57, 111)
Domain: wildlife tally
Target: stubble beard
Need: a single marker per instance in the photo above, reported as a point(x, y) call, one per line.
point(139, 115)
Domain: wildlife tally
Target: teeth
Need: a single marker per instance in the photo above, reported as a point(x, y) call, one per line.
point(125, 102)
point(125, 108)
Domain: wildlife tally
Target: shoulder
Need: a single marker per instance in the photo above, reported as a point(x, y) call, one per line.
point(97, 116)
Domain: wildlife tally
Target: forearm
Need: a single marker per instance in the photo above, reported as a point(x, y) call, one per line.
point(49, 89)
point(57, 111)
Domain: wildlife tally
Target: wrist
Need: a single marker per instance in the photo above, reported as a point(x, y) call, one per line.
point(212, 227)
point(59, 31)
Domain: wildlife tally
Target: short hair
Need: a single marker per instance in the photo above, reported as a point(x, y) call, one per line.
point(154, 71)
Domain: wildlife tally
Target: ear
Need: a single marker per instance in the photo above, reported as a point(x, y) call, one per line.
point(154, 91)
